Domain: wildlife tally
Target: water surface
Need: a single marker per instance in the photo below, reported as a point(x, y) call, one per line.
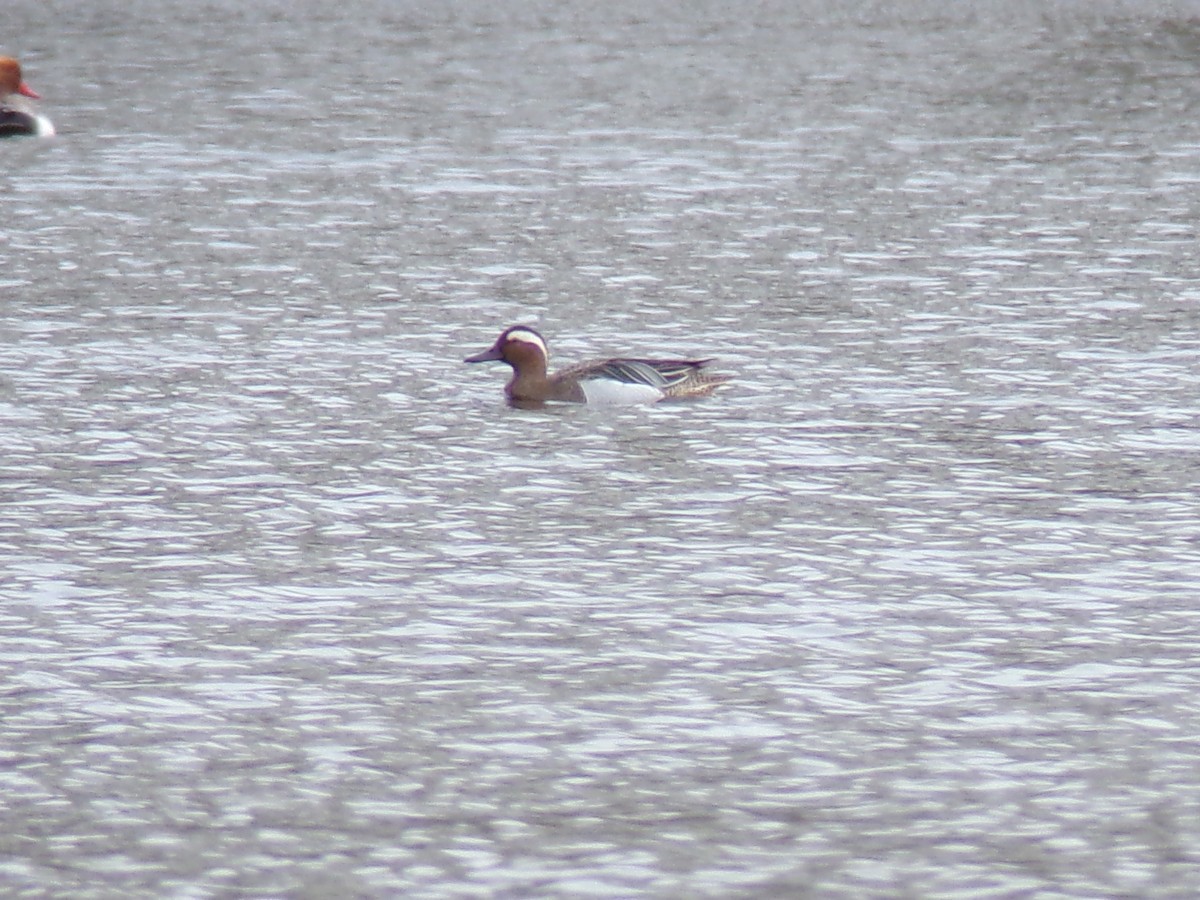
point(293, 604)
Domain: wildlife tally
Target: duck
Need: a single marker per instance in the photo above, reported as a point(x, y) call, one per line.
point(16, 114)
point(601, 381)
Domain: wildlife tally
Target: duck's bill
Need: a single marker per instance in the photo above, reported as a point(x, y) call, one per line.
point(486, 356)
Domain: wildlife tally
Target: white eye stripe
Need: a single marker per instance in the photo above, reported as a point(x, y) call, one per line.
point(525, 336)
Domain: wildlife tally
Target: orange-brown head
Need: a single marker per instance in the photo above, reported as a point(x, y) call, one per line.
point(10, 79)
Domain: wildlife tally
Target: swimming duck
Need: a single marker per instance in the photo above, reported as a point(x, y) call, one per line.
point(606, 381)
point(16, 113)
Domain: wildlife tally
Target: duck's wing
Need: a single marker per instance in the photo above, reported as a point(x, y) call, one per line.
point(657, 373)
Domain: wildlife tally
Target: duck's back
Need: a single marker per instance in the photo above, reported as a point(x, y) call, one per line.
point(14, 123)
point(643, 380)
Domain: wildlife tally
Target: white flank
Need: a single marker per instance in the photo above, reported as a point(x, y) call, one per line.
point(45, 128)
point(528, 337)
point(606, 392)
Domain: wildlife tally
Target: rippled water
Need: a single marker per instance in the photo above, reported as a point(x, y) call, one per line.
point(293, 604)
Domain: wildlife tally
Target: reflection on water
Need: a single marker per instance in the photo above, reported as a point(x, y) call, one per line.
point(294, 603)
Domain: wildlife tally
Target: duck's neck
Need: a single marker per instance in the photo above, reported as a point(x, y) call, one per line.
point(529, 381)
point(16, 103)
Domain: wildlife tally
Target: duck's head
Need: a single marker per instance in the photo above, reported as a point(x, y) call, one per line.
point(520, 346)
point(11, 81)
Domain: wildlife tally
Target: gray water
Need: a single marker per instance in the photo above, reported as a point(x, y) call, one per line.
point(294, 605)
